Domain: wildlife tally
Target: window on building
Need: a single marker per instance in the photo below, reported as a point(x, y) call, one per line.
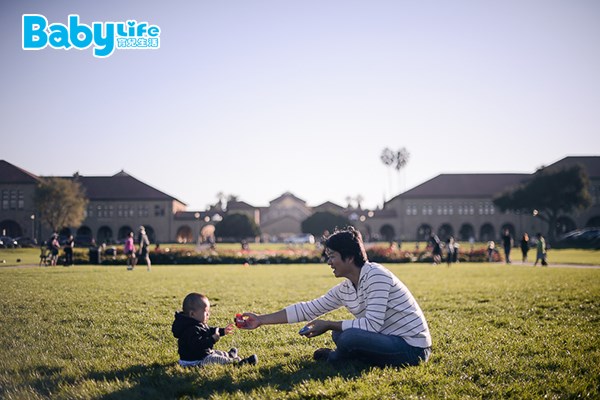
point(5, 199)
point(13, 199)
point(20, 200)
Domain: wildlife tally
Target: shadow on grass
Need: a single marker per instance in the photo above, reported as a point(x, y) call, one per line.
point(168, 381)
point(48, 378)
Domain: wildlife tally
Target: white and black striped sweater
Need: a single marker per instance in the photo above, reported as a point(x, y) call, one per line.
point(381, 303)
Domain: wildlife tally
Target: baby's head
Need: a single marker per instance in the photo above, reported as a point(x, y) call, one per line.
point(196, 306)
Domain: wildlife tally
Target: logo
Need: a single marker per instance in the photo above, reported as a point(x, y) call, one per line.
point(105, 37)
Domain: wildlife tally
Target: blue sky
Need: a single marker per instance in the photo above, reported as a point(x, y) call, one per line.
point(255, 98)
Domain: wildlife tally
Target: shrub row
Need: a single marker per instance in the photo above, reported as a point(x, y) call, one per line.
point(375, 254)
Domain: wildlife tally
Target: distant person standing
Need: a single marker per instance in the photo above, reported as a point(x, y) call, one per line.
point(540, 250)
point(436, 248)
point(54, 247)
point(68, 249)
point(144, 243)
point(450, 250)
point(491, 248)
point(507, 243)
point(129, 250)
point(525, 246)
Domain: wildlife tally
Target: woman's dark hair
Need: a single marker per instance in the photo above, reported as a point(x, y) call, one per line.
point(348, 242)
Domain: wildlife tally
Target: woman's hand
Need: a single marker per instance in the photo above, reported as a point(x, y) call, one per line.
point(317, 327)
point(251, 321)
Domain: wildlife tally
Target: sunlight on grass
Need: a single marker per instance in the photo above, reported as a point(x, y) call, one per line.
point(92, 332)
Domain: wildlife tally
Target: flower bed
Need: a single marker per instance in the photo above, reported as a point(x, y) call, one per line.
point(376, 253)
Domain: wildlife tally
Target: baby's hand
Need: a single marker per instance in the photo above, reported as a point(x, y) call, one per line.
point(229, 329)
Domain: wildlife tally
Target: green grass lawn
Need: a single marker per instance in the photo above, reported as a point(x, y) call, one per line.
point(103, 332)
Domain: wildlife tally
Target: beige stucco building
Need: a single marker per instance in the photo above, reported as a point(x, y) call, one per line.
point(449, 204)
point(462, 205)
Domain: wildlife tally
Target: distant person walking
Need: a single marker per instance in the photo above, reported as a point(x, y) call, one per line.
point(540, 250)
point(129, 250)
point(525, 246)
point(144, 250)
point(507, 243)
point(54, 246)
point(68, 249)
point(436, 248)
point(450, 251)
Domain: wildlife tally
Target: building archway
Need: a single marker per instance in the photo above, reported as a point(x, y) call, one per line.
point(445, 231)
point(564, 225)
point(150, 233)
point(84, 236)
point(593, 222)
point(105, 235)
point(185, 234)
point(124, 232)
point(466, 232)
point(487, 232)
point(11, 228)
point(65, 232)
point(387, 232)
point(84, 231)
point(423, 233)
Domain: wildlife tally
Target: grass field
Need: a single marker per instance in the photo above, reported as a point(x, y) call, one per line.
point(103, 332)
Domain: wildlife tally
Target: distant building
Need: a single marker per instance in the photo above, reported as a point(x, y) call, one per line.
point(449, 204)
point(118, 204)
point(17, 214)
point(461, 205)
point(283, 217)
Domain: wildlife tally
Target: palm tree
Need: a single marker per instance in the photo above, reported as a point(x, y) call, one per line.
point(397, 159)
point(387, 158)
point(401, 160)
point(359, 199)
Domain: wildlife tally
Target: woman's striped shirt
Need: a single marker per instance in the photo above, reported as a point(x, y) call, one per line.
point(381, 303)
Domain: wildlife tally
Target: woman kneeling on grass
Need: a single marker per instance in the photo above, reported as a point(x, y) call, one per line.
point(389, 329)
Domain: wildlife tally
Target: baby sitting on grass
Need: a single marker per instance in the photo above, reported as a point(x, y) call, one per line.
point(195, 339)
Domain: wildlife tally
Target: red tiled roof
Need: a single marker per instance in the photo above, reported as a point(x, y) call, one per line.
point(12, 174)
point(590, 163)
point(287, 194)
point(239, 205)
point(329, 205)
point(464, 185)
point(120, 187)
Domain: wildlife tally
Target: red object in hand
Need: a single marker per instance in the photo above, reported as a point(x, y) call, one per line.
point(239, 320)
